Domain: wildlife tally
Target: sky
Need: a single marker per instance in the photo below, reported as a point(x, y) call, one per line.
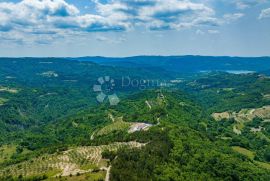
point(120, 28)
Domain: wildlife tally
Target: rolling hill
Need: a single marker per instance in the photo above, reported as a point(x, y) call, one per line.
point(185, 126)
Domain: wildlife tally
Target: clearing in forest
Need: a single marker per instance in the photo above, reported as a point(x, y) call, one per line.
point(244, 151)
point(9, 90)
point(3, 101)
point(251, 155)
point(119, 125)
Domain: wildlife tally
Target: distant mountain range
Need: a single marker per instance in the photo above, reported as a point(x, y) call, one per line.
point(186, 64)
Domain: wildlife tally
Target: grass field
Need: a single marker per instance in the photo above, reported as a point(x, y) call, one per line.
point(117, 125)
point(244, 151)
point(263, 165)
point(6, 151)
point(3, 101)
point(81, 177)
point(251, 156)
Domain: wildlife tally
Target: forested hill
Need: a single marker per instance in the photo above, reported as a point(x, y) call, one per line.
point(187, 64)
point(179, 142)
point(56, 71)
point(35, 91)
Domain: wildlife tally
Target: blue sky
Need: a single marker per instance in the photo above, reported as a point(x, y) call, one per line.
point(134, 27)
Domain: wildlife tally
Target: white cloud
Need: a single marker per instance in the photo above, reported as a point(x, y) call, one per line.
point(113, 15)
point(52, 15)
point(232, 17)
point(213, 31)
point(158, 14)
point(200, 32)
point(265, 13)
point(57, 17)
point(110, 40)
point(244, 4)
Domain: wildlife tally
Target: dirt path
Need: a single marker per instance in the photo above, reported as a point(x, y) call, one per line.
point(92, 136)
point(111, 117)
point(108, 169)
point(107, 178)
point(148, 104)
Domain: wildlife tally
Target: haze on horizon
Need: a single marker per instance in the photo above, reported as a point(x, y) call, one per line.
point(118, 28)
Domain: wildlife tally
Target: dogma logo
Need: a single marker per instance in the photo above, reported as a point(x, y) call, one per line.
point(105, 89)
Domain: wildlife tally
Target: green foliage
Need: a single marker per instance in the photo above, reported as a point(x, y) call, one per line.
point(191, 156)
point(107, 154)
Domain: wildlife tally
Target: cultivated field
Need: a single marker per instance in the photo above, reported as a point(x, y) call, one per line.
point(74, 161)
point(244, 115)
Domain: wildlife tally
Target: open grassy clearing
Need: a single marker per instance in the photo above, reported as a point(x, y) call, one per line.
point(9, 90)
point(93, 176)
point(71, 162)
point(251, 155)
point(115, 126)
point(244, 151)
point(263, 165)
point(3, 101)
point(119, 125)
point(266, 96)
point(6, 151)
